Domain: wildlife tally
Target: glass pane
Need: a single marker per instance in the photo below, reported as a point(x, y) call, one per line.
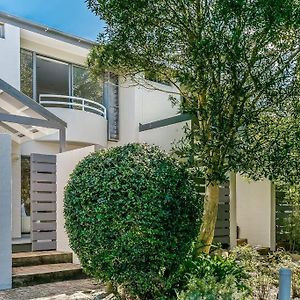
point(52, 77)
point(26, 73)
point(85, 86)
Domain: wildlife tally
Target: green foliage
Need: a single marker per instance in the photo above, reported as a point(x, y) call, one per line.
point(131, 214)
point(208, 288)
point(235, 64)
point(212, 277)
point(289, 196)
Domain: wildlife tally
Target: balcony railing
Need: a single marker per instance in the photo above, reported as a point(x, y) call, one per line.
point(72, 102)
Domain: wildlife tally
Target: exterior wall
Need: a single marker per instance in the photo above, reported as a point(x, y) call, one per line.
point(155, 104)
point(255, 211)
point(128, 114)
point(45, 147)
point(10, 56)
point(83, 127)
point(66, 163)
point(5, 212)
point(141, 105)
point(53, 48)
point(164, 137)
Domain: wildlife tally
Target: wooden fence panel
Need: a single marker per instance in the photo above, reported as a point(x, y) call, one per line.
point(284, 210)
point(222, 229)
point(43, 202)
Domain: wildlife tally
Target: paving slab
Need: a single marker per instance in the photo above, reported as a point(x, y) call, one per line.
point(63, 290)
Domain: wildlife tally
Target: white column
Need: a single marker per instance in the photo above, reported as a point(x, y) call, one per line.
point(233, 225)
point(5, 212)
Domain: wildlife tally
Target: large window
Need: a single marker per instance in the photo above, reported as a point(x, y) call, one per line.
point(27, 73)
point(43, 75)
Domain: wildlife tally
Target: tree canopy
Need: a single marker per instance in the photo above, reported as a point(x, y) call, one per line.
point(235, 64)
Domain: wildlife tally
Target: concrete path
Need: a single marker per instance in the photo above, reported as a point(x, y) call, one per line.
point(85, 289)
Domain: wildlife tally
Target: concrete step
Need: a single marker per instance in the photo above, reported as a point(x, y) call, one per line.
point(32, 275)
point(24, 259)
point(26, 247)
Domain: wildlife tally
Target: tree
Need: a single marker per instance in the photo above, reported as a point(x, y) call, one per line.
point(235, 64)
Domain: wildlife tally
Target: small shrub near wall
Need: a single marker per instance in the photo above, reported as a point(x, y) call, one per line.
point(131, 215)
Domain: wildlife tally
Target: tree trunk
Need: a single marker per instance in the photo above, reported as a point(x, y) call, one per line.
point(209, 219)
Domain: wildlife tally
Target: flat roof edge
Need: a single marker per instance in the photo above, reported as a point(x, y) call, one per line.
point(47, 31)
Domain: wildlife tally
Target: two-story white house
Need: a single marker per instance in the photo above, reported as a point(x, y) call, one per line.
point(49, 67)
point(49, 103)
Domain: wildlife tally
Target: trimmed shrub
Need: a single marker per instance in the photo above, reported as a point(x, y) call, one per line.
point(131, 214)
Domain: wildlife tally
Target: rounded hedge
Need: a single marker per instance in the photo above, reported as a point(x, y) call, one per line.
point(131, 214)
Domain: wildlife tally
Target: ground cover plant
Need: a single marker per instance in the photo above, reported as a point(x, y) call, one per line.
point(131, 214)
point(245, 274)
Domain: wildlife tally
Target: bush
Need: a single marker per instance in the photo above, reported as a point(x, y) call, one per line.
point(206, 277)
point(209, 288)
point(131, 215)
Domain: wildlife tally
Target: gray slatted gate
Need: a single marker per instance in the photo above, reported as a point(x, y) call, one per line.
point(222, 229)
point(43, 201)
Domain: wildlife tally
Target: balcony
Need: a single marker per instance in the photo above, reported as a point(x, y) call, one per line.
point(72, 102)
point(86, 119)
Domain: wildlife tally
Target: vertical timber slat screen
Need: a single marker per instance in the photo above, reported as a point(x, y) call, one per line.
point(43, 201)
point(222, 229)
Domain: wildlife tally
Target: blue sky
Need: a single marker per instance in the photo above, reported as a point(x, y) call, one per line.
point(70, 16)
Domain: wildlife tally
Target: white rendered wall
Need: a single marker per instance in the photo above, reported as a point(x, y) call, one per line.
point(83, 127)
point(5, 212)
point(164, 137)
point(155, 104)
point(66, 162)
point(141, 105)
point(10, 56)
point(53, 48)
point(255, 211)
point(42, 147)
point(128, 114)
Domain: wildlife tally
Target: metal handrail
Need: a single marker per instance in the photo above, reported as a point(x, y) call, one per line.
point(84, 105)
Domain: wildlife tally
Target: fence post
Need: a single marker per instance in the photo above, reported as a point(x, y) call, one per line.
point(285, 279)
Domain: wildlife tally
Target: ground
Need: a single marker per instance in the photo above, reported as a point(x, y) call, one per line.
point(85, 289)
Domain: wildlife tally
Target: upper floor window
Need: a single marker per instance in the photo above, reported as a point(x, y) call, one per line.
point(2, 31)
point(43, 75)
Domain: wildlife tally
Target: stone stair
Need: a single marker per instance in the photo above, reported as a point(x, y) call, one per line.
point(30, 268)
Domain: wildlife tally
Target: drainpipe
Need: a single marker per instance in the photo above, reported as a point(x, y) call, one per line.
point(285, 279)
